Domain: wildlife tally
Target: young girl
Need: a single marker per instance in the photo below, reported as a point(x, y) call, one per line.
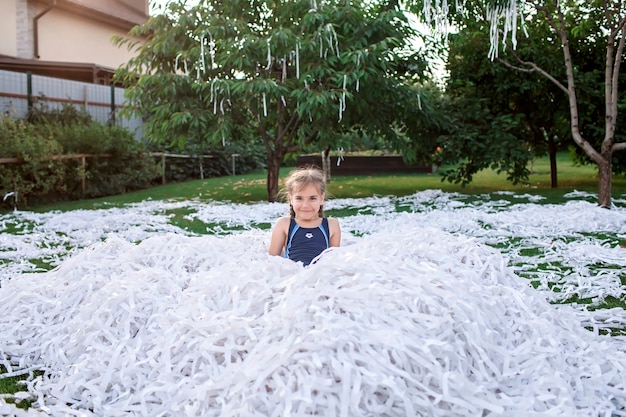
point(306, 232)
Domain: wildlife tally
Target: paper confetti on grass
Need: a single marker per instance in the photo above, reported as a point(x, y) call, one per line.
point(414, 315)
point(410, 320)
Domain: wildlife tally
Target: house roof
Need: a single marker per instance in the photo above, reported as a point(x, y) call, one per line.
point(122, 13)
point(76, 71)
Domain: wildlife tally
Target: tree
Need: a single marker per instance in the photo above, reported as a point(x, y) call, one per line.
point(478, 138)
point(538, 105)
point(570, 21)
point(295, 72)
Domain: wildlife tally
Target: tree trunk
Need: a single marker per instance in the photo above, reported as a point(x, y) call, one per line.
point(605, 182)
point(552, 153)
point(612, 63)
point(326, 164)
point(273, 173)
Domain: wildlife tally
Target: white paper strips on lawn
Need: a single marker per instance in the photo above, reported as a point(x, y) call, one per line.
point(408, 320)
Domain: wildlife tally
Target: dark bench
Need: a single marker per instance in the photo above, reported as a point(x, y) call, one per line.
point(365, 165)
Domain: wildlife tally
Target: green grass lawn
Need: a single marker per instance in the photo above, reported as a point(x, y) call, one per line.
point(14, 384)
point(252, 187)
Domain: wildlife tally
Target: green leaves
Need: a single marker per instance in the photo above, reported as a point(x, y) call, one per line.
point(296, 72)
point(117, 162)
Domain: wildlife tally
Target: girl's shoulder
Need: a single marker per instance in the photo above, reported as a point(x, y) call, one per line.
point(332, 222)
point(283, 222)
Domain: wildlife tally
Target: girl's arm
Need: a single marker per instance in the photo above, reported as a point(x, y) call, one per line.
point(335, 232)
point(279, 237)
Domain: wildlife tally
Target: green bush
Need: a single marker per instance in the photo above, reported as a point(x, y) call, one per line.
point(35, 174)
point(251, 157)
point(67, 114)
point(117, 162)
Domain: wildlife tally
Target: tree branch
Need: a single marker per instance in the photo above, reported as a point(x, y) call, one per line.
point(311, 135)
point(533, 68)
point(611, 80)
point(290, 125)
point(307, 139)
point(608, 15)
point(543, 9)
point(621, 24)
point(290, 142)
point(621, 146)
point(556, 20)
point(239, 119)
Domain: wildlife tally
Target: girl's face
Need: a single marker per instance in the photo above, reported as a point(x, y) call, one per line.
point(306, 202)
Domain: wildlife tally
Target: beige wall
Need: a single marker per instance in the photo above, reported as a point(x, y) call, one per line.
point(63, 36)
point(8, 27)
point(71, 38)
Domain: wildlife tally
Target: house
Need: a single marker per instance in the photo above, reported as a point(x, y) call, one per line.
point(68, 39)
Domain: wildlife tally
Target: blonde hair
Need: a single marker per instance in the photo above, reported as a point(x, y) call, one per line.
point(300, 178)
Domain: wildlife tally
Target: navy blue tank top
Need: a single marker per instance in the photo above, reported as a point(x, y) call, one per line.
point(305, 243)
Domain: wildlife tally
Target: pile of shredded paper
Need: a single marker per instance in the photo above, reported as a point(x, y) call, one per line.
point(415, 315)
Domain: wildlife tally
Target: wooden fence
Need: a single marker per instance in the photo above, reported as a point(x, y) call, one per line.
point(84, 156)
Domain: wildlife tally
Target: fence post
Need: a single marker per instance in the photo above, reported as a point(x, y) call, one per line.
point(163, 167)
point(112, 104)
point(84, 174)
point(233, 156)
point(29, 90)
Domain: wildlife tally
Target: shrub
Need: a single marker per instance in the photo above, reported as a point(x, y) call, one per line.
point(46, 174)
point(250, 158)
point(119, 163)
point(35, 174)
